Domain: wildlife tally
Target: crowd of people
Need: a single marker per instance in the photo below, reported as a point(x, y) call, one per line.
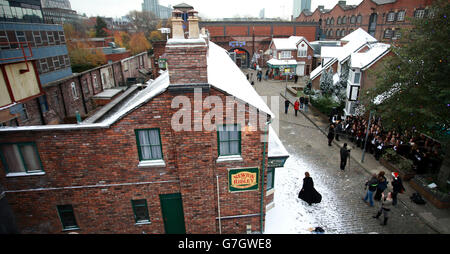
point(424, 152)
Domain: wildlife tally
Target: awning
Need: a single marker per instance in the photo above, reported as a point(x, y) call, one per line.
point(276, 63)
point(277, 152)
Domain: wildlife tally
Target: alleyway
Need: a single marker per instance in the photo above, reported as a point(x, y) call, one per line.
point(341, 211)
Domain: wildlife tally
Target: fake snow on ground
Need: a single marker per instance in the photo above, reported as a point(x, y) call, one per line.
point(292, 215)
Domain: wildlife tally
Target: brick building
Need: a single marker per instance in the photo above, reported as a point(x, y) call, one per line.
point(61, 99)
point(292, 55)
point(382, 19)
point(358, 57)
point(132, 168)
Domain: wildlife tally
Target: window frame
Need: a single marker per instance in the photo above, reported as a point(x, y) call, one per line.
point(270, 184)
point(302, 48)
point(59, 209)
point(145, 205)
point(22, 159)
point(73, 87)
point(238, 129)
point(284, 53)
point(401, 15)
point(390, 17)
point(138, 143)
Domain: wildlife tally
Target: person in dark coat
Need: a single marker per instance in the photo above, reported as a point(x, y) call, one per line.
point(302, 101)
point(308, 193)
point(397, 187)
point(295, 79)
point(330, 135)
point(286, 106)
point(306, 103)
point(344, 155)
point(371, 186)
point(382, 185)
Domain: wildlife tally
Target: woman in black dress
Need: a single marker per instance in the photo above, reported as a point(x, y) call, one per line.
point(308, 193)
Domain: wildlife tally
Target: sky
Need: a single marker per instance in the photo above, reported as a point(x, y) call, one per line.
point(209, 9)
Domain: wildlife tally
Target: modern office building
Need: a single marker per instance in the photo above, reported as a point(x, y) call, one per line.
point(28, 11)
point(160, 11)
point(32, 54)
point(59, 12)
point(299, 6)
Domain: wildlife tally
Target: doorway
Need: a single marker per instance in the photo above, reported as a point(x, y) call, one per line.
point(172, 213)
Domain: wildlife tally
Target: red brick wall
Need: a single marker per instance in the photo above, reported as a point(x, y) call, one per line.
point(77, 158)
point(365, 9)
point(187, 65)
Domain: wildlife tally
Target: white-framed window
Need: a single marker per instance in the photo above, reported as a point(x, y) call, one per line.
point(50, 38)
point(401, 16)
point(353, 20)
point(44, 65)
point(359, 19)
point(396, 34)
point(388, 33)
point(357, 77)
point(37, 38)
point(391, 16)
point(419, 13)
point(56, 62)
point(73, 87)
point(302, 50)
point(285, 54)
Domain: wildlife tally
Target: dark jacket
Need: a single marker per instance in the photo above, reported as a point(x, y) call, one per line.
point(344, 153)
point(382, 183)
point(308, 193)
point(286, 103)
point(331, 133)
point(372, 184)
point(397, 185)
point(302, 100)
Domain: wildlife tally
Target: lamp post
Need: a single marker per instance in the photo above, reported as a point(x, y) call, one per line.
point(367, 134)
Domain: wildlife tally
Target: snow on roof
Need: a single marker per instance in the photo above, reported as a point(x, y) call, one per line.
point(158, 86)
point(276, 147)
point(225, 75)
point(274, 61)
point(366, 59)
point(288, 43)
point(359, 35)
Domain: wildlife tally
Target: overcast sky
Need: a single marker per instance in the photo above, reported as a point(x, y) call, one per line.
point(207, 8)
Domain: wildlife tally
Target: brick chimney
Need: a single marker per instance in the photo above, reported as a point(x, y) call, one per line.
point(186, 57)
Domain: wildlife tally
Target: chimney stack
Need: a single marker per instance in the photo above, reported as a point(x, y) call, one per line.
point(193, 24)
point(177, 25)
point(186, 57)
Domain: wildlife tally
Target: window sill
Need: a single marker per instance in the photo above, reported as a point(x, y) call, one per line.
point(270, 192)
point(152, 163)
point(37, 173)
point(229, 158)
point(143, 223)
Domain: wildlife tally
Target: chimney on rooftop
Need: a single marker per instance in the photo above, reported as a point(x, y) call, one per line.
point(342, 2)
point(321, 7)
point(186, 57)
point(177, 25)
point(193, 24)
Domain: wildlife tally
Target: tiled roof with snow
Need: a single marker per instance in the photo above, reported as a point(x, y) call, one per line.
point(288, 43)
point(225, 75)
point(365, 59)
point(276, 147)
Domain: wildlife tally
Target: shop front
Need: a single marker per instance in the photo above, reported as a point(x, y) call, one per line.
point(280, 69)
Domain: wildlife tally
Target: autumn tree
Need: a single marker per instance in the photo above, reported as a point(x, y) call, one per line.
point(100, 28)
point(139, 43)
point(83, 57)
point(122, 39)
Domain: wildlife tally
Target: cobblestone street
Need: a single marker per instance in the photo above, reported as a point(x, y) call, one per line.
point(342, 210)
